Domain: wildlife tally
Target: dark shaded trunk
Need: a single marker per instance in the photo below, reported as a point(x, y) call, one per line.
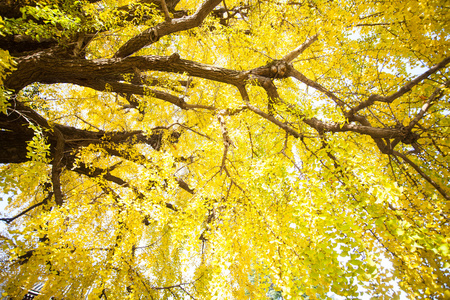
point(15, 133)
point(13, 146)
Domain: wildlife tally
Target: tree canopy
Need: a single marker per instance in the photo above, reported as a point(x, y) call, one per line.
point(207, 149)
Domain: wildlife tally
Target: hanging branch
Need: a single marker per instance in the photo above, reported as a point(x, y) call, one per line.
point(227, 142)
point(56, 167)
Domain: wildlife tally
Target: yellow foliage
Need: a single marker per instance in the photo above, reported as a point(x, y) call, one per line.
point(232, 194)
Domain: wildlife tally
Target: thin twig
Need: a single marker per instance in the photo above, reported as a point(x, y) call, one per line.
point(186, 292)
point(86, 122)
point(194, 131)
point(251, 140)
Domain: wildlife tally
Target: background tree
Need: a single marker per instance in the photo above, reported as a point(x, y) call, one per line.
point(223, 149)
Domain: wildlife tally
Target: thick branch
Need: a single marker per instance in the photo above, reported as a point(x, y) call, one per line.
point(272, 119)
point(425, 176)
point(429, 102)
point(322, 126)
point(299, 50)
point(13, 146)
point(15, 134)
point(86, 72)
point(403, 90)
point(153, 34)
point(266, 116)
point(270, 89)
point(128, 88)
point(133, 89)
point(19, 44)
point(300, 77)
point(407, 87)
point(81, 168)
point(165, 10)
point(374, 132)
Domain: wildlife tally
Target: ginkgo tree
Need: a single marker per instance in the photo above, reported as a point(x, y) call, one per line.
point(209, 149)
